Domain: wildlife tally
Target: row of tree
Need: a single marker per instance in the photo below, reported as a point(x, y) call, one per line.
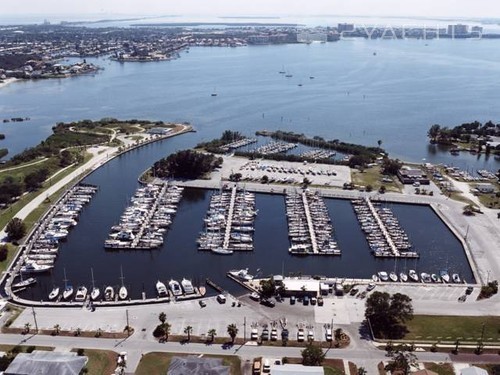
point(445, 135)
point(215, 145)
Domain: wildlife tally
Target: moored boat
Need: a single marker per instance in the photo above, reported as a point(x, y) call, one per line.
point(383, 276)
point(187, 286)
point(161, 289)
point(109, 293)
point(444, 276)
point(456, 278)
point(24, 283)
point(95, 293)
point(54, 293)
point(31, 267)
point(375, 278)
point(413, 275)
point(222, 251)
point(242, 274)
point(68, 292)
point(175, 287)
point(81, 294)
point(123, 292)
point(425, 277)
point(403, 276)
point(393, 276)
point(435, 278)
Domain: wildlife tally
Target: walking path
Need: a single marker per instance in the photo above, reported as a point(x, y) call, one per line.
point(23, 166)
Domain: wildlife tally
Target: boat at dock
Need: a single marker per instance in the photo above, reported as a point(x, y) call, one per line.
point(413, 275)
point(122, 292)
point(81, 294)
point(456, 278)
point(109, 293)
point(187, 286)
point(242, 274)
point(24, 283)
point(425, 277)
point(393, 276)
point(54, 293)
point(444, 276)
point(32, 267)
point(67, 292)
point(221, 251)
point(383, 276)
point(435, 278)
point(96, 292)
point(403, 276)
point(175, 287)
point(161, 289)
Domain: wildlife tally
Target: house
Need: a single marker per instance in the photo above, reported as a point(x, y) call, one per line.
point(45, 362)
point(409, 176)
point(301, 287)
point(473, 370)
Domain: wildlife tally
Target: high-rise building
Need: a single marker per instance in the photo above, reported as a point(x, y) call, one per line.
point(342, 27)
point(458, 29)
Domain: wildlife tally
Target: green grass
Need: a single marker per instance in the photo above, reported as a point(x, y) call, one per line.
point(440, 369)
point(157, 363)
point(23, 348)
point(10, 255)
point(373, 177)
point(100, 361)
point(14, 312)
point(451, 328)
point(332, 371)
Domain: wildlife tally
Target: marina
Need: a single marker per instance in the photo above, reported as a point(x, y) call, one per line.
point(274, 147)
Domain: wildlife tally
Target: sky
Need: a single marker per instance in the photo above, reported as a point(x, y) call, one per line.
point(397, 8)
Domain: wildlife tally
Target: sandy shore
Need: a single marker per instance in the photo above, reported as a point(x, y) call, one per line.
point(7, 81)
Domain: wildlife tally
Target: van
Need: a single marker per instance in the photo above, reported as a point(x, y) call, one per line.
point(221, 298)
point(328, 334)
point(306, 300)
point(292, 300)
point(267, 366)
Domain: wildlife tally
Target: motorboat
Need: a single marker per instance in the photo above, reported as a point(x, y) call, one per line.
point(383, 276)
point(456, 278)
point(95, 293)
point(187, 286)
point(54, 293)
point(255, 296)
point(123, 292)
point(31, 267)
point(68, 292)
point(81, 294)
point(242, 274)
point(403, 276)
point(435, 278)
point(24, 283)
point(221, 251)
point(161, 289)
point(425, 277)
point(393, 276)
point(444, 276)
point(175, 287)
point(109, 293)
point(375, 278)
point(413, 275)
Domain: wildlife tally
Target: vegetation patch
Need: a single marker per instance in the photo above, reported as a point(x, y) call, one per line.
point(100, 361)
point(440, 368)
point(186, 164)
point(451, 328)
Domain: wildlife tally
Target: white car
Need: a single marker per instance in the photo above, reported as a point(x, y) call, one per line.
point(328, 334)
point(300, 335)
point(254, 335)
point(310, 336)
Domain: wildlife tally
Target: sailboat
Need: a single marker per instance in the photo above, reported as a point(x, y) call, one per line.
point(54, 293)
point(122, 292)
point(282, 71)
point(214, 93)
point(68, 289)
point(96, 292)
point(109, 293)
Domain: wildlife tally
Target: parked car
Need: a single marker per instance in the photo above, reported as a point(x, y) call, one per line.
point(310, 336)
point(292, 300)
point(284, 334)
point(469, 290)
point(221, 298)
point(274, 334)
point(254, 334)
point(320, 301)
point(328, 334)
point(306, 300)
point(202, 303)
point(267, 302)
point(313, 300)
point(300, 335)
point(265, 334)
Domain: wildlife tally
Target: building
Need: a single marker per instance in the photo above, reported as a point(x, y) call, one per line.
point(458, 30)
point(485, 188)
point(160, 131)
point(345, 27)
point(408, 176)
point(45, 362)
point(473, 370)
point(301, 287)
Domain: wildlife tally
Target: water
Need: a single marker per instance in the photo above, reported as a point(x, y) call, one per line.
point(357, 97)
point(179, 257)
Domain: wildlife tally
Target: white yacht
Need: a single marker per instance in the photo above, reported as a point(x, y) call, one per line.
point(413, 275)
point(109, 293)
point(31, 267)
point(175, 287)
point(95, 293)
point(81, 294)
point(54, 293)
point(187, 286)
point(68, 291)
point(383, 276)
point(242, 274)
point(161, 289)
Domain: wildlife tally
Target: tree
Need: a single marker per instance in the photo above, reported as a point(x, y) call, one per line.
point(338, 336)
point(379, 143)
point(188, 331)
point(16, 229)
point(4, 252)
point(362, 371)
point(264, 179)
point(166, 328)
point(387, 314)
point(163, 317)
point(434, 132)
point(232, 330)
point(212, 333)
point(27, 327)
point(267, 287)
point(312, 355)
point(186, 164)
point(35, 179)
point(391, 166)
point(57, 328)
point(402, 361)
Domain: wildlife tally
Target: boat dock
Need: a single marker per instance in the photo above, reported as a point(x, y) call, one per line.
point(144, 222)
point(229, 222)
point(309, 225)
point(214, 285)
point(385, 236)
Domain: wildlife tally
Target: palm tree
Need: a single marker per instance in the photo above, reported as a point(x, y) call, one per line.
point(188, 331)
point(162, 317)
point(57, 327)
point(27, 327)
point(338, 336)
point(232, 330)
point(78, 332)
point(212, 332)
point(379, 142)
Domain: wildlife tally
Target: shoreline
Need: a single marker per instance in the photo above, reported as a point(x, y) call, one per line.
point(7, 81)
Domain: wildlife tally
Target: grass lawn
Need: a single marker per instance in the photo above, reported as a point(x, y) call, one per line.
point(157, 363)
point(12, 250)
point(100, 361)
point(332, 371)
point(490, 200)
point(450, 328)
point(440, 369)
point(373, 177)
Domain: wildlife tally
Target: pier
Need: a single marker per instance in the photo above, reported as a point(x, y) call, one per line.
point(310, 225)
point(229, 222)
point(382, 227)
